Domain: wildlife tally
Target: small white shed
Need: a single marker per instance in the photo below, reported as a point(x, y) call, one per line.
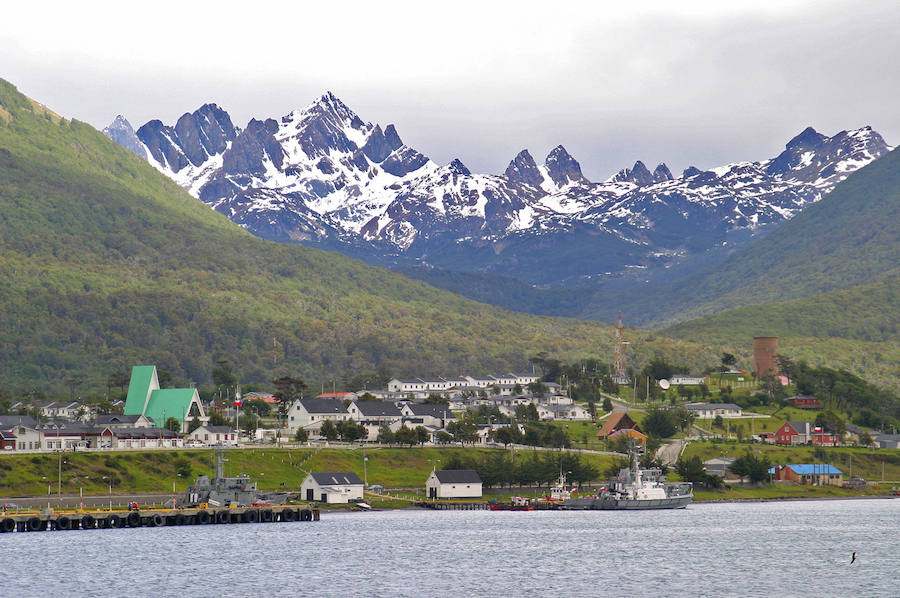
point(453, 483)
point(332, 487)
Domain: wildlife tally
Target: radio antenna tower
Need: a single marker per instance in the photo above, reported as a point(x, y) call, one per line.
point(620, 366)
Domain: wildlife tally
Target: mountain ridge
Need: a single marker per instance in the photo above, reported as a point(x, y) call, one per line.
point(322, 176)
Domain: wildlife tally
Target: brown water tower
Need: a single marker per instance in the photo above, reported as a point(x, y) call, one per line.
point(765, 349)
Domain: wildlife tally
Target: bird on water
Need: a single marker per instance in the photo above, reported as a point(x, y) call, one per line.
point(853, 558)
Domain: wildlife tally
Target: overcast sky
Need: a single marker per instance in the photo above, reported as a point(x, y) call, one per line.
point(685, 82)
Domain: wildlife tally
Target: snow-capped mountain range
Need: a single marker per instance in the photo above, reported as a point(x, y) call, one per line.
point(323, 176)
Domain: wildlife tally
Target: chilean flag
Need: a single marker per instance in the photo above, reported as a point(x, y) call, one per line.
point(238, 402)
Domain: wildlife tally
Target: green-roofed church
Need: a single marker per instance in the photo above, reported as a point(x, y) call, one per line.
point(145, 397)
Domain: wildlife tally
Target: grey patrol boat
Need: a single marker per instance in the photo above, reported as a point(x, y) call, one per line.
point(635, 488)
point(223, 491)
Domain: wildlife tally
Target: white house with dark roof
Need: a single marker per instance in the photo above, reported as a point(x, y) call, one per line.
point(332, 487)
point(310, 414)
point(453, 483)
point(434, 416)
point(214, 435)
point(481, 381)
point(382, 412)
point(711, 410)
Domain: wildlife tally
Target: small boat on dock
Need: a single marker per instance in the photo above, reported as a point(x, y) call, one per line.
point(516, 503)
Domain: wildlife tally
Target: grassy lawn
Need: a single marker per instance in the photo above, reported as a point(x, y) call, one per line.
point(155, 471)
point(781, 491)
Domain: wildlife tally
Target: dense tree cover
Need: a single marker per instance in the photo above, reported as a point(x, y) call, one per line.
point(691, 470)
point(842, 391)
point(751, 466)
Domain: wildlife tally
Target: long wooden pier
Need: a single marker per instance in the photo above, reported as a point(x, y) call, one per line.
point(38, 521)
point(438, 505)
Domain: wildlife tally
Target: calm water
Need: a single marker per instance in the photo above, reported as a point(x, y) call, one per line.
point(784, 549)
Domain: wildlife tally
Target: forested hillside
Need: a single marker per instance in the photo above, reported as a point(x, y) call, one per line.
point(105, 263)
point(849, 238)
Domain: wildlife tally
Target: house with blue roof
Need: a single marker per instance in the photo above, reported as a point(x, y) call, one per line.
point(146, 398)
point(816, 474)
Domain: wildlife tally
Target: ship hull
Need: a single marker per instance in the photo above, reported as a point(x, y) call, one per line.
point(608, 503)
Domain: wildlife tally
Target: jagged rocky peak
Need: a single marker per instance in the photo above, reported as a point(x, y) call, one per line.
point(690, 171)
point(523, 169)
point(662, 173)
point(563, 168)
point(811, 156)
point(250, 149)
point(808, 137)
point(638, 174)
point(120, 131)
point(393, 139)
point(329, 104)
point(457, 167)
point(380, 144)
point(205, 132)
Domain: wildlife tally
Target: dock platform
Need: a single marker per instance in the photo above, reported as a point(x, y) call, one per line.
point(49, 520)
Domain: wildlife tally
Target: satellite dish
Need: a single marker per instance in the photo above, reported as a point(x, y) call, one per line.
point(664, 384)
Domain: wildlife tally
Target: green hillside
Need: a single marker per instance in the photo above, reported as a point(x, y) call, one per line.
point(106, 263)
point(854, 329)
point(867, 313)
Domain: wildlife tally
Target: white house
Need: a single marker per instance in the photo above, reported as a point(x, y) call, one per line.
point(382, 412)
point(214, 435)
point(310, 414)
point(435, 416)
point(570, 412)
point(332, 488)
point(685, 380)
point(711, 410)
point(453, 483)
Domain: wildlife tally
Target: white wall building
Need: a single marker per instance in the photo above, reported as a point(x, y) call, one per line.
point(310, 414)
point(453, 483)
point(711, 410)
point(332, 488)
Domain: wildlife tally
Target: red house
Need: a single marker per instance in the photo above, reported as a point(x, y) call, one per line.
point(796, 432)
point(804, 402)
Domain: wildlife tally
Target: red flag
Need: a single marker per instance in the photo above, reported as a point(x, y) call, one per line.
point(238, 403)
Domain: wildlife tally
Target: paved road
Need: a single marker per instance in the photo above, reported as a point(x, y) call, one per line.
point(668, 453)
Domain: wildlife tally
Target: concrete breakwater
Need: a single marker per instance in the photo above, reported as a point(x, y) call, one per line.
point(49, 520)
